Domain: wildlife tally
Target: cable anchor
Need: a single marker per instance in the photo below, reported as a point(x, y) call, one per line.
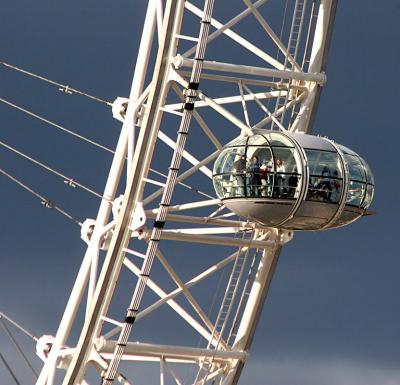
point(48, 204)
point(70, 182)
point(65, 89)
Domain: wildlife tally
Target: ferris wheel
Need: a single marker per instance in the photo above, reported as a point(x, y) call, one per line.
point(221, 169)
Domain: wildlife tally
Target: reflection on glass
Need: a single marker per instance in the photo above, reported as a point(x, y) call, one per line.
point(229, 160)
point(370, 176)
point(286, 160)
point(347, 150)
point(355, 194)
point(356, 169)
point(257, 140)
point(320, 160)
point(368, 197)
point(262, 153)
point(287, 186)
point(279, 140)
point(326, 176)
point(229, 186)
point(322, 189)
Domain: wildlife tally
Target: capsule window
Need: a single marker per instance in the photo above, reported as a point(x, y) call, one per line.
point(230, 160)
point(320, 162)
point(286, 160)
point(279, 140)
point(369, 196)
point(356, 168)
point(347, 150)
point(370, 176)
point(262, 154)
point(230, 185)
point(257, 140)
point(326, 176)
point(355, 193)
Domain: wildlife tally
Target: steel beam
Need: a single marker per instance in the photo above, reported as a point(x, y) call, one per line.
point(180, 62)
point(171, 351)
point(133, 194)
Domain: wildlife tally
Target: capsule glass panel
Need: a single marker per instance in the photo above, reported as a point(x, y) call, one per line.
point(229, 160)
point(355, 193)
point(356, 168)
point(257, 140)
point(257, 170)
point(368, 196)
point(326, 176)
point(276, 139)
point(287, 172)
point(370, 176)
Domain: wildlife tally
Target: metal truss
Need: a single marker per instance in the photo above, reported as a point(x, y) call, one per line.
point(142, 247)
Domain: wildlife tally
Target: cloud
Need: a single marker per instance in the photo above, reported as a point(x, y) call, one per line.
point(329, 372)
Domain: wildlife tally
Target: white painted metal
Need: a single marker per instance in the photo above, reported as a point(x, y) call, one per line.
point(148, 110)
point(182, 352)
point(232, 99)
point(141, 163)
point(236, 37)
point(318, 61)
point(316, 77)
point(179, 310)
point(92, 252)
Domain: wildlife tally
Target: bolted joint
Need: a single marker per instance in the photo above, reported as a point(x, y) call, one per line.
point(177, 61)
point(285, 236)
point(43, 347)
point(116, 206)
point(138, 217)
point(119, 107)
point(87, 231)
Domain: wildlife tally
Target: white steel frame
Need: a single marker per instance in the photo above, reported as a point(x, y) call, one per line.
point(219, 360)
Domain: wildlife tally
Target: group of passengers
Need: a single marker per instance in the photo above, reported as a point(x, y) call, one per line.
point(258, 178)
point(325, 188)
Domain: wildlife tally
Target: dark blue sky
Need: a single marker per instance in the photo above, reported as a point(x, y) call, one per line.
point(333, 314)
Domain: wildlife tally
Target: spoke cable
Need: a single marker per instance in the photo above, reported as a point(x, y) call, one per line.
point(18, 347)
point(9, 369)
point(69, 181)
point(56, 125)
point(45, 202)
point(18, 326)
point(62, 87)
point(185, 185)
point(90, 141)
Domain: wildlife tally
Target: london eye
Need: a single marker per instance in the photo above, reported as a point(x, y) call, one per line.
point(215, 169)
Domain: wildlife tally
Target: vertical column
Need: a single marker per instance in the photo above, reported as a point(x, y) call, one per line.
point(133, 194)
point(89, 263)
point(254, 305)
point(318, 62)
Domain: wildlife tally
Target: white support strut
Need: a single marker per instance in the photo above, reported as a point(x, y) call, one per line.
point(150, 211)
